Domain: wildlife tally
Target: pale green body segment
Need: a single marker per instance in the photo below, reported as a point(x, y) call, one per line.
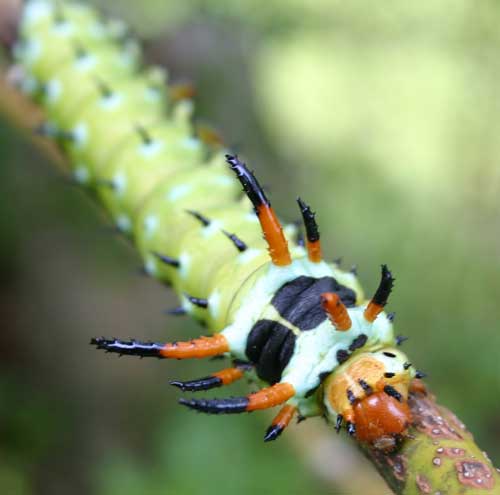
point(137, 151)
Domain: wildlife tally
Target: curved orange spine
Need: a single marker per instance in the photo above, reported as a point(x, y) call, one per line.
point(196, 348)
point(229, 375)
point(271, 396)
point(314, 251)
point(273, 233)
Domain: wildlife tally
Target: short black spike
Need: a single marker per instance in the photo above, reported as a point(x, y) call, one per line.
point(351, 428)
point(406, 365)
point(338, 423)
point(197, 301)
point(350, 396)
point(385, 287)
point(178, 311)
point(389, 374)
point(420, 374)
point(205, 383)
point(239, 244)
point(312, 232)
point(232, 405)
point(354, 270)
point(144, 134)
point(202, 219)
point(400, 339)
point(167, 259)
point(338, 261)
point(273, 432)
point(365, 386)
point(392, 392)
point(391, 316)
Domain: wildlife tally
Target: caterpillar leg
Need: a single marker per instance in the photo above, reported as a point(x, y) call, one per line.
point(218, 379)
point(195, 348)
point(263, 399)
point(280, 422)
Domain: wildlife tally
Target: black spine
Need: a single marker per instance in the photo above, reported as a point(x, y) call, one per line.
point(385, 287)
point(250, 184)
point(197, 301)
point(202, 219)
point(205, 383)
point(239, 244)
point(128, 348)
point(392, 392)
point(167, 260)
point(310, 224)
point(272, 433)
point(232, 405)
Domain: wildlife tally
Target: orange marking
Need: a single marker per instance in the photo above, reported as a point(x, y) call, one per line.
point(336, 311)
point(283, 418)
point(372, 311)
point(181, 91)
point(273, 233)
point(379, 415)
point(229, 375)
point(270, 396)
point(314, 251)
point(209, 135)
point(196, 348)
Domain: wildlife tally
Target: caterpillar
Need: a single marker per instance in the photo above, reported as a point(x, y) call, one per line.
point(297, 324)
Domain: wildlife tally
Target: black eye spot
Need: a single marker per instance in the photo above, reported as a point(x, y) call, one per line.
point(389, 354)
point(358, 342)
point(389, 375)
point(342, 356)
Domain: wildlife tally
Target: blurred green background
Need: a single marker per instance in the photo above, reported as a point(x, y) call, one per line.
point(386, 117)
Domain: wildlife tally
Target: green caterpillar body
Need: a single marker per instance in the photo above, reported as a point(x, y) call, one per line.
point(134, 146)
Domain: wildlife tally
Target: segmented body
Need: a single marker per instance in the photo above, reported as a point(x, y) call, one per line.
point(293, 320)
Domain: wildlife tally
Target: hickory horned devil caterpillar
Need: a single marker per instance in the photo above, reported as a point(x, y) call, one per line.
point(298, 324)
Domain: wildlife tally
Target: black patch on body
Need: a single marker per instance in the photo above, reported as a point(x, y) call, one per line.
point(358, 342)
point(270, 346)
point(298, 301)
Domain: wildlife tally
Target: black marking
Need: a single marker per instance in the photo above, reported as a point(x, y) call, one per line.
point(406, 365)
point(197, 301)
point(250, 184)
point(273, 432)
point(202, 219)
point(358, 342)
point(391, 316)
point(298, 300)
point(351, 428)
point(310, 224)
point(270, 346)
point(389, 354)
point(103, 88)
point(392, 392)
point(420, 374)
point(354, 270)
point(368, 390)
point(205, 383)
point(79, 50)
point(231, 405)
point(178, 311)
point(144, 134)
point(128, 348)
point(350, 396)
point(338, 423)
point(167, 259)
point(342, 356)
point(239, 244)
point(338, 261)
point(385, 287)
point(400, 339)
point(389, 374)
point(242, 365)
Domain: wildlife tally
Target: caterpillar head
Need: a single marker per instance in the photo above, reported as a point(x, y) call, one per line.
point(369, 392)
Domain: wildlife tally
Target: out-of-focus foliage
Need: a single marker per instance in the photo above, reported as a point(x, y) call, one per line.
point(385, 116)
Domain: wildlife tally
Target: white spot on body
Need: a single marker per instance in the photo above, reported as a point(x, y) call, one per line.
point(150, 267)
point(178, 192)
point(63, 29)
point(120, 183)
point(150, 225)
point(151, 148)
point(80, 134)
point(53, 90)
point(36, 11)
point(248, 255)
point(81, 174)
point(214, 303)
point(184, 265)
point(85, 63)
point(213, 228)
point(123, 223)
point(191, 143)
point(111, 102)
